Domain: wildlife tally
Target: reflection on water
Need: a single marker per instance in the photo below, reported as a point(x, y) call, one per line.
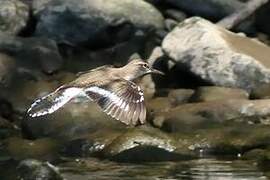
point(194, 169)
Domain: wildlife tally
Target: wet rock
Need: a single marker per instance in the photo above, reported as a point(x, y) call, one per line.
point(198, 115)
point(180, 96)
point(32, 169)
point(175, 14)
point(158, 104)
point(217, 55)
point(91, 144)
point(43, 149)
point(230, 139)
point(7, 68)
point(212, 93)
point(142, 144)
point(256, 154)
point(22, 93)
point(32, 52)
point(96, 21)
point(210, 9)
point(81, 148)
point(77, 118)
point(14, 15)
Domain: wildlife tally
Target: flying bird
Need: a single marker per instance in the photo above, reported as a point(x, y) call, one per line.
point(111, 88)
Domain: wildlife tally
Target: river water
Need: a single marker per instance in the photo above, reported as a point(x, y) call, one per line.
point(210, 168)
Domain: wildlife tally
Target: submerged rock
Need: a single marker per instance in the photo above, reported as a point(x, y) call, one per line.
point(32, 169)
point(92, 21)
point(43, 149)
point(14, 15)
point(219, 56)
point(213, 93)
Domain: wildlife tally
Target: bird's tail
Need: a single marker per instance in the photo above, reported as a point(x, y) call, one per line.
point(53, 101)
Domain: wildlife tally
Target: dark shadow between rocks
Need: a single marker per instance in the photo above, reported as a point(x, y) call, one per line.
point(180, 77)
point(111, 36)
point(30, 28)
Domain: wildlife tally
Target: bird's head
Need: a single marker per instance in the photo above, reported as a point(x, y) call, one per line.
point(137, 68)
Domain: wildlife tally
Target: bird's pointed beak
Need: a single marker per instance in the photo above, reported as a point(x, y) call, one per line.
point(155, 71)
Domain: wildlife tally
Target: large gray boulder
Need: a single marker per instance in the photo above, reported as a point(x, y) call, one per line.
point(90, 20)
point(13, 16)
point(219, 56)
point(32, 53)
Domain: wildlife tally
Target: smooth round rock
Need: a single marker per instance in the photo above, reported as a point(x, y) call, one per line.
point(92, 21)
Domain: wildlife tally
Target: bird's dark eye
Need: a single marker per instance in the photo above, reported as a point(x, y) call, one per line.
point(146, 66)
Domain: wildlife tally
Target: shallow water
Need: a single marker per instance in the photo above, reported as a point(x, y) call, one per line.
point(194, 169)
point(210, 168)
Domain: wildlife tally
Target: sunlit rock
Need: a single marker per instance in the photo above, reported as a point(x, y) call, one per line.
point(14, 15)
point(143, 144)
point(219, 56)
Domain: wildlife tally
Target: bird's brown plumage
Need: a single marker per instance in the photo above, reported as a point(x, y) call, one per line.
point(111, 88)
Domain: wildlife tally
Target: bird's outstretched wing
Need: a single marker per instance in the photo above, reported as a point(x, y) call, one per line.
point(53, 101)
point(121, 99)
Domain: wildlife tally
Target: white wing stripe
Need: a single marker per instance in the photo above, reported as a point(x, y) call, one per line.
point(58, 102)
point(114, 98)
